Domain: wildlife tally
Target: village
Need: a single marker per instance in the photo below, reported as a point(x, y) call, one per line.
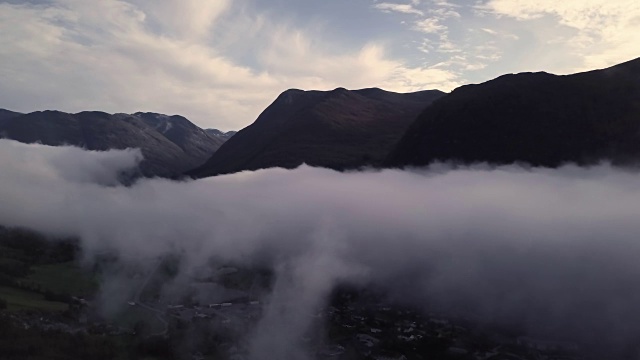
point(213, 315)
point(354, 325)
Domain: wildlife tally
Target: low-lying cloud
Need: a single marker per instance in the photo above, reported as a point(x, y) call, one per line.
point(552, 250)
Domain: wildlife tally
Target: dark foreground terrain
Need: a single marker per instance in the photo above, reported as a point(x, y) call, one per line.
point(52, 309)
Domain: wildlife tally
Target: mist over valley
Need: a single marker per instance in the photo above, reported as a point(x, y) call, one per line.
point(410, 180)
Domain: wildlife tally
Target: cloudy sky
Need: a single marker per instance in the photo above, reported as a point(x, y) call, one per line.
point(221, 62)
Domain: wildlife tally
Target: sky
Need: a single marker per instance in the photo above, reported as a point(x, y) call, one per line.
point(221, 62)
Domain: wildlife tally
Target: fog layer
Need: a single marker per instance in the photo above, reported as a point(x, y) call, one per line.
point(555, 251)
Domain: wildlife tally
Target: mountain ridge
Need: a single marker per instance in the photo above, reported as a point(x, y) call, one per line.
point(166, 153)
point(338, 129)
point(536, 118)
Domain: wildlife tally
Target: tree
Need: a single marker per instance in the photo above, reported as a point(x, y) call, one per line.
point(3, 304)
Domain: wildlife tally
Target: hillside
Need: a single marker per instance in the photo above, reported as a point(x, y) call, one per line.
point(225, 135)
point(535, 118)
point(196, 142)
point(170, 144)
point(7, 114)
point(337, 129)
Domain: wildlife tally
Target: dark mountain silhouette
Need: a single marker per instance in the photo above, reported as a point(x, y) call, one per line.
point(170, 144)
point(535, 118)
point(337, 129)
point(7, 114)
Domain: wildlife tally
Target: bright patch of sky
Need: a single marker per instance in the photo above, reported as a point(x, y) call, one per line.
point(221, 62)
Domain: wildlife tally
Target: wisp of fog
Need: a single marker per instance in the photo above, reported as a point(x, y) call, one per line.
point(555, 250)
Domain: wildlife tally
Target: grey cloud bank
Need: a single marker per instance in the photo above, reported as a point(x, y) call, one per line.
point(554, 251)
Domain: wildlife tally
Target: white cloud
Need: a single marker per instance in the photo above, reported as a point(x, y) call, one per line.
point(445, 3)
point(401, 8)
point(438, 17)
point(475, 67)
point(186, 18)
point(608, 32)
point(425, 78)
point(462, 62)
point(445, 13)
point(366, 67)
point(429, 26)
point(169, 57)
point(78, 56)
point(499, 34)
point(489, 31)
point(445, 45)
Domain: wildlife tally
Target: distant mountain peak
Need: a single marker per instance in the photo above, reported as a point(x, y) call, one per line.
point(338, 129)
point(170, 144)
point(372, 90)
point(151, 114)
point(289, 96)
point(216, 132)
point(293, 91)
point(8, 114)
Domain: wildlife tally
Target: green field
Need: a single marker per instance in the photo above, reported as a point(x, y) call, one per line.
point(64, 278)
point(26, 300)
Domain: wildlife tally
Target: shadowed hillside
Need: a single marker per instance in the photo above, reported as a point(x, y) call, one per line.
point(337, 129)
point(170, 144)
point(536, 118)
